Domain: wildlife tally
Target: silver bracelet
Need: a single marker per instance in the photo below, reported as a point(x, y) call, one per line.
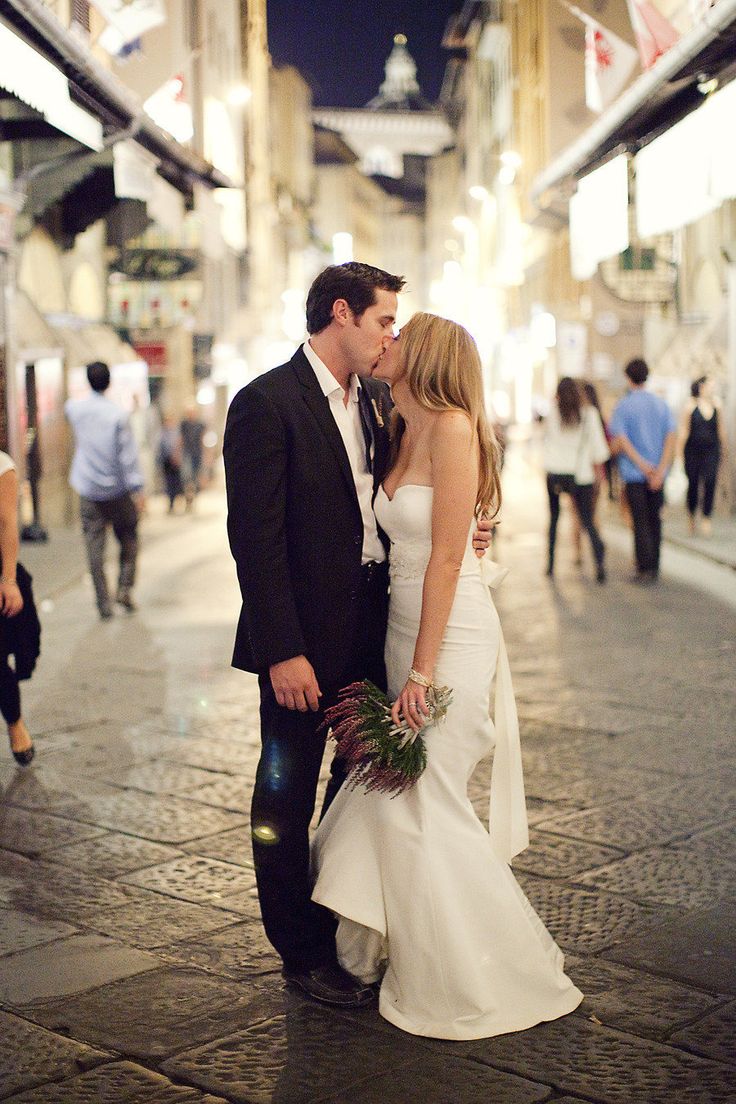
point(420, 679)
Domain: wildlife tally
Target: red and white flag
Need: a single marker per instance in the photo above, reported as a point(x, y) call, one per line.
point(655, 35)
point(608, 62)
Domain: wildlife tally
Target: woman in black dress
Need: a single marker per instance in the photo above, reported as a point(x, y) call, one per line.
point(702, 438)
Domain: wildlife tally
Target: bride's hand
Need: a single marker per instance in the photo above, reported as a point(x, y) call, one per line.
point(411, 704)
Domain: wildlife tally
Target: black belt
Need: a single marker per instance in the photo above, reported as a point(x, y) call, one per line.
point(372, 570)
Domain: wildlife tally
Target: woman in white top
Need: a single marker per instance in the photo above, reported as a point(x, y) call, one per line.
point(11, 603)
point(573, 443)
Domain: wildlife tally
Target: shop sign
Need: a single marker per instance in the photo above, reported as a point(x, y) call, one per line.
point(155, 355)
point(156, 264)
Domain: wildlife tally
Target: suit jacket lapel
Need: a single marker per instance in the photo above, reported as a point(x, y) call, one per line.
point(319, 405)
point(380, 406)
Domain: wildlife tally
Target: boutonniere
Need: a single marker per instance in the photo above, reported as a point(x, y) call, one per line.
point(377, 412)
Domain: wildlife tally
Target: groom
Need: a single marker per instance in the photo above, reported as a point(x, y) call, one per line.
point(306, 447)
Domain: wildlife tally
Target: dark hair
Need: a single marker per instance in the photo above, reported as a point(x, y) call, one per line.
point(637, 370)
point(696, 385)
point(591, 395)
point(355, 283)
point(568, 401)
point(98, 375)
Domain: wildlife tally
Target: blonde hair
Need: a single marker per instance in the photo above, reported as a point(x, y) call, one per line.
point(442, 368)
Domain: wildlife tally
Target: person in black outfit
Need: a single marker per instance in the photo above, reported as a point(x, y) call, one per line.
point(701, 436)
point(305, 448)
point(12, 603)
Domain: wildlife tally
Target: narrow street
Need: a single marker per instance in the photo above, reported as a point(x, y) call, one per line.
point(133, 966)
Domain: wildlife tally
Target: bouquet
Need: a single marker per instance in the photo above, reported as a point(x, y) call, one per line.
point(380, 754)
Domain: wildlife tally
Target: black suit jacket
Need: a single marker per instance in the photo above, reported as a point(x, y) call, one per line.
point(294, 523)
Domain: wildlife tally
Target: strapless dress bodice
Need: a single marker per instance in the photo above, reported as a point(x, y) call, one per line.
point(407, 521)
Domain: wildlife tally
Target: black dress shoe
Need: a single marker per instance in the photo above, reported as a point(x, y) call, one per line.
point(331, 985)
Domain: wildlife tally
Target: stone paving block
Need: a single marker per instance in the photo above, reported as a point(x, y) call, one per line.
point(714, 1036)
point(585, 921)
point(298, 1057)
point(445, 1079)
point(552, 856)
point(52, 791)
point(584, 788)
point(159, 1013)
point(671, 876)
point(719, 844)
point(241, 952)
point(157, 922)
point(58, 892)
point(20, 930)
point(114, 1083)
point(634, 1001)
point(31, 833)
point(194, 878)
point(161, 777)
point(630, 825)
point(234, 847)
point(696, 948)
point(31, 1056)
point(230, 791)
point(231, 758)
point(609, 1066)
point(67, 966)
point(162, 819)
point(111, 854)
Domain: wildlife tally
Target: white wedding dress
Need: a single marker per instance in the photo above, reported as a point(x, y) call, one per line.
point(421, 890)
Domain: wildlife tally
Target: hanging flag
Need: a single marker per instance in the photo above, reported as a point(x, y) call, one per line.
point(655, 35)
point(608, 62)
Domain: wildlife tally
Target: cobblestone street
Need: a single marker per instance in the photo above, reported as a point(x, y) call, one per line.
point(133, 963)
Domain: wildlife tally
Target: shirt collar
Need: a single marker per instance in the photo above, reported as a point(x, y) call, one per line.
point(325, 378)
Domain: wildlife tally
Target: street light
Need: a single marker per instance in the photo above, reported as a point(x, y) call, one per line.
point(239, 96)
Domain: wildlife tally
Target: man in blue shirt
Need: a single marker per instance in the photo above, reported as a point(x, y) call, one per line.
point(106, 475)
point(644, 435)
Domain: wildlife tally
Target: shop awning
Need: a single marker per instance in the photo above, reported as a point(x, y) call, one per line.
point(103, 97)
point(661, 96)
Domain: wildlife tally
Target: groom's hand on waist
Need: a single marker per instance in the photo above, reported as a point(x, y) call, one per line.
point(295, 684)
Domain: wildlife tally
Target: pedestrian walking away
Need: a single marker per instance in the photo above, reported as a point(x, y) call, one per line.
point(169, 456)
point(192, 430)
point(305, 448)
point(20, 631)
point(644, 440)
point(702, 441)
point(106, 475)
point(574, 443)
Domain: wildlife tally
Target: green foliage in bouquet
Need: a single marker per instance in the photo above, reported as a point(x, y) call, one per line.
point(379, 754)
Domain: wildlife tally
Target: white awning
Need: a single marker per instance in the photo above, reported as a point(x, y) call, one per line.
point(690, 170)
point(34, 80)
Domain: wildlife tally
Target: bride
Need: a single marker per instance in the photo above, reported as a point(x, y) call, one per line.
point(425, 898)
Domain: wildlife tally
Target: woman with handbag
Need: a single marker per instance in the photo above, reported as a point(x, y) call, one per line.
point(11, 605)
point(574, 443)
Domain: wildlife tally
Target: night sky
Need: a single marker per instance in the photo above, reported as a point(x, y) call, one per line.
point(341, 47)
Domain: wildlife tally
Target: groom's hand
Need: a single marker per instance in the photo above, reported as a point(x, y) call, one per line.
point(295, 684)
point(482, 536)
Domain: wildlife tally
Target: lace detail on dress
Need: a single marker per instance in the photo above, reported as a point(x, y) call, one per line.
point(409, 561)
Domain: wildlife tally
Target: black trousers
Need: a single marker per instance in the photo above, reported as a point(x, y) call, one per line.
point(582, 495)
point(646, 509)
point(701, 468)
point(9, 691)
point(285, 792)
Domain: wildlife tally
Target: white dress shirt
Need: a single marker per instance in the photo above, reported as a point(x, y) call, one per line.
point(347, 419)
